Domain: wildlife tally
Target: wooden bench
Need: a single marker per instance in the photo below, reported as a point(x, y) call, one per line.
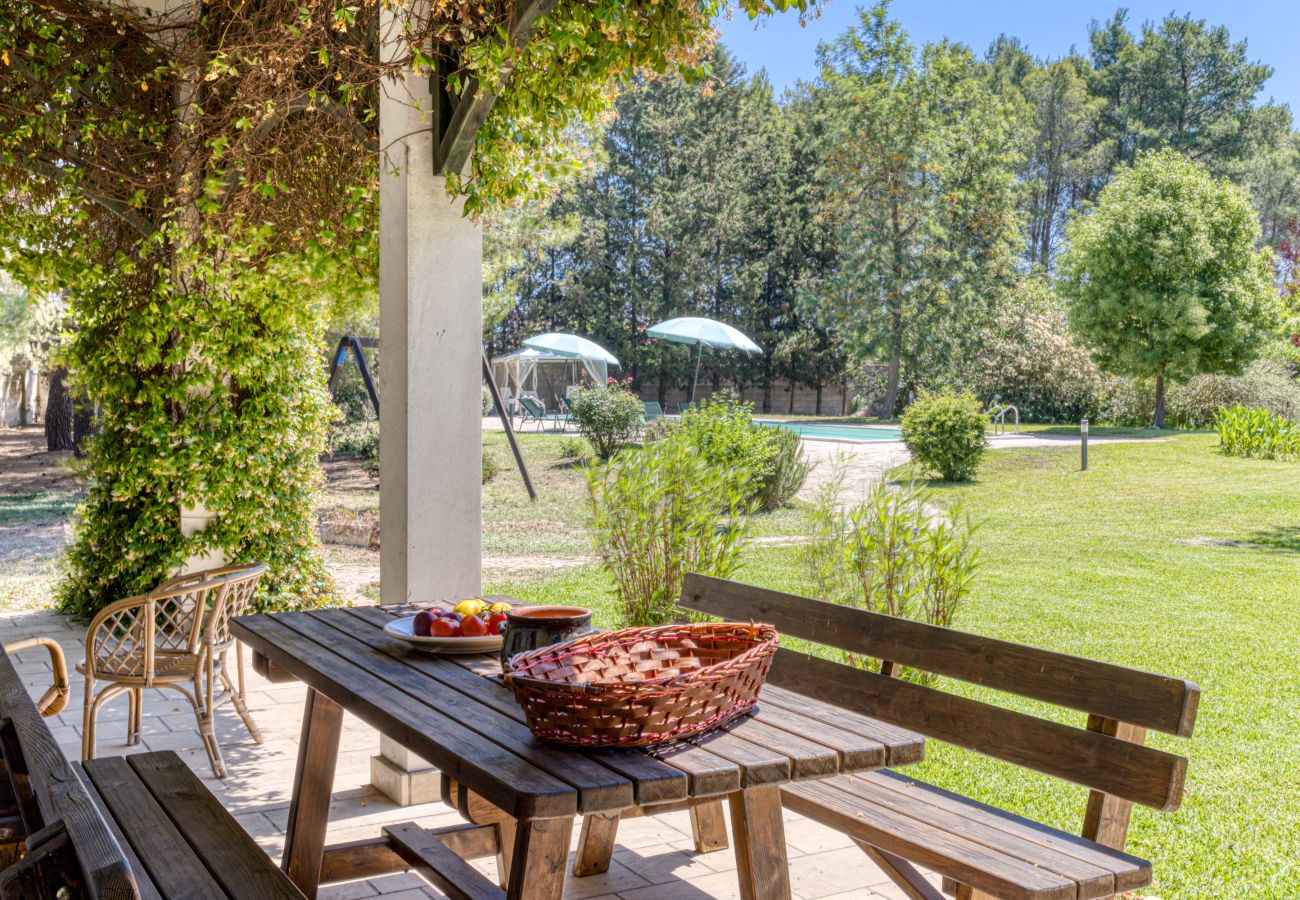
point(980, 851)
point(137, 828)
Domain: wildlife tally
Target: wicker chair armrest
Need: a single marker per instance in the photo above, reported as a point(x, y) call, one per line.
point(55, 697)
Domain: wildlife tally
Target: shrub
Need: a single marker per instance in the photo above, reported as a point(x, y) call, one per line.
point(486, 401)
point(1256, 433)
point(1029, 358)
point(355, 439)
point(572, 449)
point(608, 417)
point(787, 471)
point(944, 432)
point(723, 431)
point(490, 465)
point(767, 461)
point(1127, 402)
point(656, 514)
point(658, 430)
point(888, 554)
point(1266, 384)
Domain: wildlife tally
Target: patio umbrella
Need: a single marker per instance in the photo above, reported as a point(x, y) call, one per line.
point(572, 346)
point(595, 358)
point(703, 333)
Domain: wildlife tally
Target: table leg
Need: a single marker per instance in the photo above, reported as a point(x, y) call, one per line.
point(313, 785)
point(595, 844)
point(758, 831)
point(708, 827)
point(540, 859)
point(505, 850)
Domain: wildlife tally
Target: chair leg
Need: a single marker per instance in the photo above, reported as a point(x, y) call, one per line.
point(135, 699)
point(88, 721)
point(237, 698)
point(203, 711)
point(239, 667)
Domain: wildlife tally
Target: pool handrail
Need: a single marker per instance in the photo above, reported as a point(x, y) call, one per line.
point(1000, 419)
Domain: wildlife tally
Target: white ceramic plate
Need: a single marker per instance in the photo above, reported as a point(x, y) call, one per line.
point(403, 629)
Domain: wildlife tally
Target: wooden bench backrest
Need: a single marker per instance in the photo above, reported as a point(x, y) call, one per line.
point(1122, 703)
point(51, 799)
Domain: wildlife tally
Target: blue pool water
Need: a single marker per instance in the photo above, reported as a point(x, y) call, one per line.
point(839, 432)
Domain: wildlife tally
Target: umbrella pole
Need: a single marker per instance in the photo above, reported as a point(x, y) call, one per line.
point(699, 352)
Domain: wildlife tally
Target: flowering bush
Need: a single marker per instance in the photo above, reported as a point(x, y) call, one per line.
point(609, 417)
point(1030, 359)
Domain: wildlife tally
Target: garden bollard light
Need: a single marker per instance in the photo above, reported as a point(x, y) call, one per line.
point(1083, 444)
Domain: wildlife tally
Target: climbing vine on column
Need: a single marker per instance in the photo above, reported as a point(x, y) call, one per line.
point(202, 178)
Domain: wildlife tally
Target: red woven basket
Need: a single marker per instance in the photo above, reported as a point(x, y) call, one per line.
point(642, 686)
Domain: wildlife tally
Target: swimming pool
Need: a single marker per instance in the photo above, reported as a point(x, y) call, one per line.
point(817, 431)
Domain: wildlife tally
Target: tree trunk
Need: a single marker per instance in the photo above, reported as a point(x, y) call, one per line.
point(890, 402)
point(819, 399)
point(790, 411)
point(1160, 401)
point(59, 431)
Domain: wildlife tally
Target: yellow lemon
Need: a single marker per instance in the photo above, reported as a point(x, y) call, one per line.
point(471, 607)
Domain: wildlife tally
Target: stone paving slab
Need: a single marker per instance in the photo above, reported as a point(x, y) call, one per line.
point(654, 858)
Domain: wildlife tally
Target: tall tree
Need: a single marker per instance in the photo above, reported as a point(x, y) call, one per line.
point(919, 182)
point(1273, 178)
point(1182, 84)
point(1165, 278)
point(1065, 157)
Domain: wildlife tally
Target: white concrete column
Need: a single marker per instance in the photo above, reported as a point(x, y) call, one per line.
point(430, 383)
point(430, 375)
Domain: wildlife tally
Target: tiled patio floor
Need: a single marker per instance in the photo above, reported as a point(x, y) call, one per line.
point(654, 860)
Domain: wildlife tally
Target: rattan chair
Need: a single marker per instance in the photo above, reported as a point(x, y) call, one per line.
point(176, 637)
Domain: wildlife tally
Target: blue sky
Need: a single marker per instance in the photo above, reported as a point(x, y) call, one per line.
point(1271, 29)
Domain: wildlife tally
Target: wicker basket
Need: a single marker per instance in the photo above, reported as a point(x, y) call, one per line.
point(642, 686)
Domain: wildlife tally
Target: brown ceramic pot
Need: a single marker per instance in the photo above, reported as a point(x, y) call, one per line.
point(530, 627)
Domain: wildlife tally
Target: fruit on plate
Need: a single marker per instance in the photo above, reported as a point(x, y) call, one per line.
point(494, 623)
point(500, 607)
point(423, 623)
point(473, 626)
point(471, 607)
point(445, 627)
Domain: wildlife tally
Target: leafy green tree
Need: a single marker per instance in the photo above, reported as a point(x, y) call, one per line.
point(1065, 155)
point(1182, 84)
point(919, 184)
point(1273, 178)
point(1165, 279)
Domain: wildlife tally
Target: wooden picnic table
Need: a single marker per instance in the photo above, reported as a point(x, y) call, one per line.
point(454, 712)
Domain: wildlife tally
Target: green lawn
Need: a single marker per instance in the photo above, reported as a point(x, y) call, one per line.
point(1165, 556)
point(30, 534)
